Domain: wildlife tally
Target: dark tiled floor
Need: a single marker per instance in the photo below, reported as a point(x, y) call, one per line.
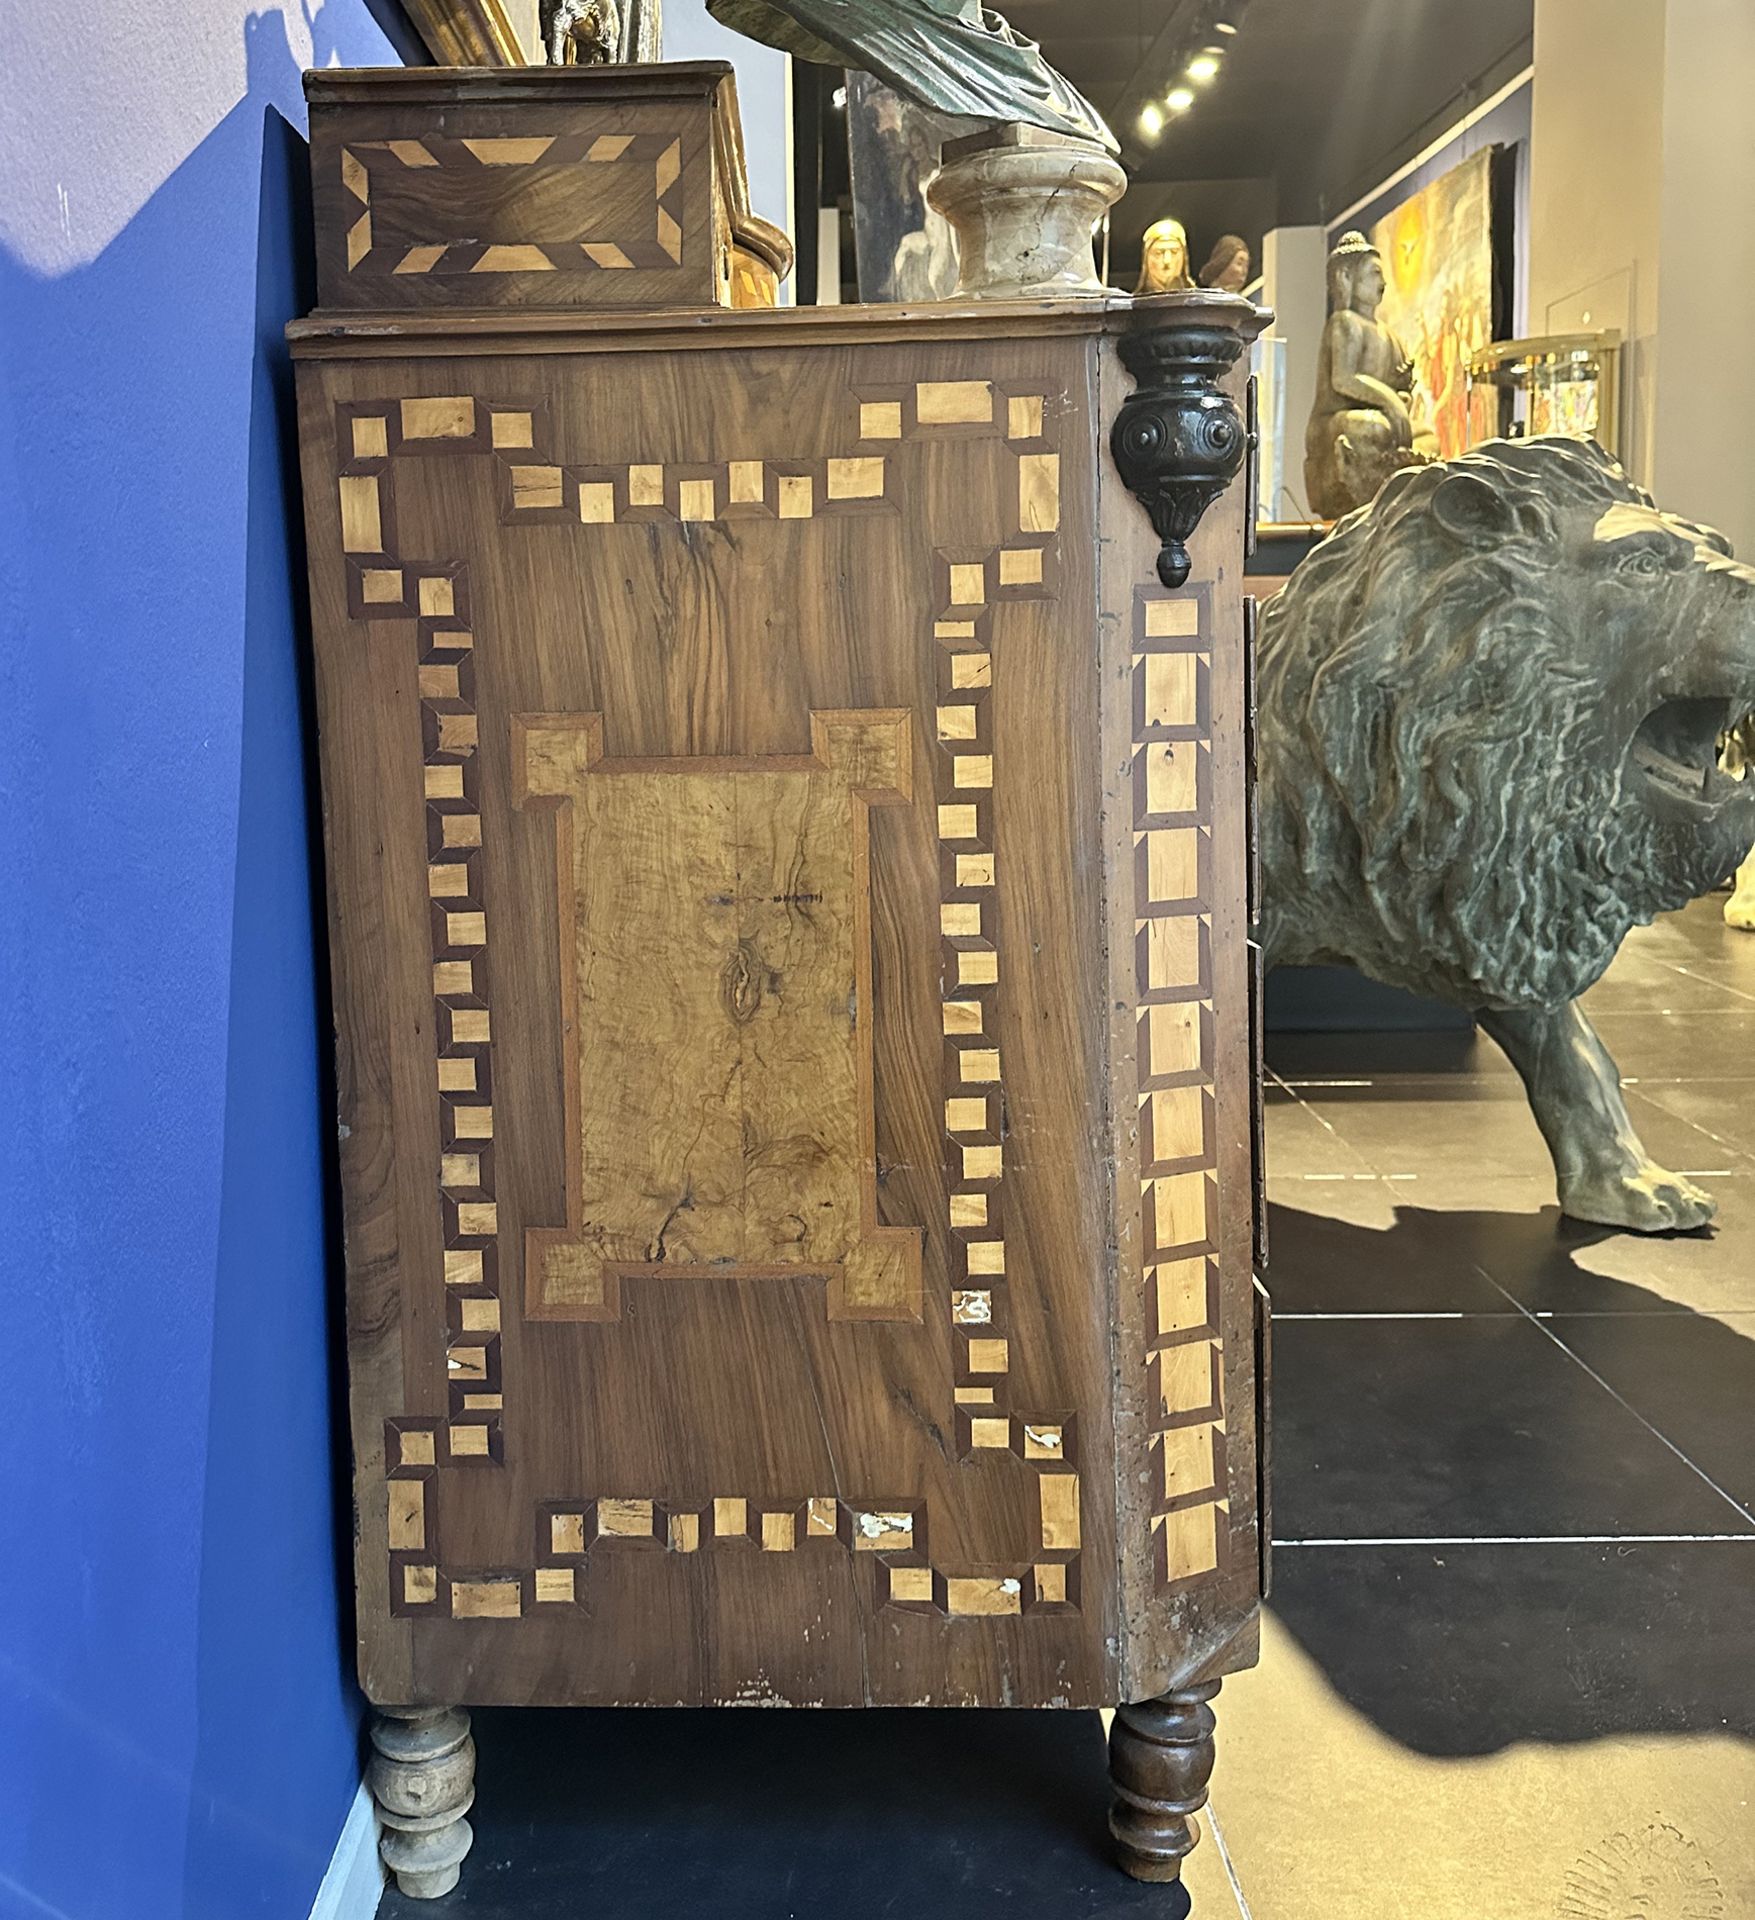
point(1508, 1664)
point(631, 1815)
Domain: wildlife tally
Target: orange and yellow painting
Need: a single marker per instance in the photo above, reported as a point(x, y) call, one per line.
point(1437, 249)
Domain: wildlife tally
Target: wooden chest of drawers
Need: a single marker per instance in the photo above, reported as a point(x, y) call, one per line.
point(787, 866)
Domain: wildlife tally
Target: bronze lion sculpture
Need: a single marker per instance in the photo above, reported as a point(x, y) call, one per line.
point(1490, 704)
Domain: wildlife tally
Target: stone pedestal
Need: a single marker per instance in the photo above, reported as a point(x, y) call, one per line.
point(1024, 204)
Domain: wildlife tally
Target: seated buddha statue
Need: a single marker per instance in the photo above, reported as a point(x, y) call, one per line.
point(1363, 425)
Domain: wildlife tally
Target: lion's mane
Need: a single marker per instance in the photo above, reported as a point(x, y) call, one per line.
point(1434, 809)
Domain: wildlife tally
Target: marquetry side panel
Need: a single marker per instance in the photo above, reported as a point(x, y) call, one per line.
point(500, 773)
point(1179, 1082)
point(1175, 1078)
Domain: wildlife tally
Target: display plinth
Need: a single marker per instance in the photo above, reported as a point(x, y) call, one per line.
point(788, 882)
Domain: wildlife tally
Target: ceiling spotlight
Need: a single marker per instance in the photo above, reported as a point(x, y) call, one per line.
point(1151, 120)
point(1203, 67)
point(1179, 99)
point(1224, 26)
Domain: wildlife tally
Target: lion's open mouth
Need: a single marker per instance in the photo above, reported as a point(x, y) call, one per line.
point(1678, 747)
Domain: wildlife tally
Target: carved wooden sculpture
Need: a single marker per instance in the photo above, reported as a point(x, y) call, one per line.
point(787, 861)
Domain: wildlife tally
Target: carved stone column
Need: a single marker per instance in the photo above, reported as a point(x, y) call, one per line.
point(1179, 438)
point(1160, 1760)
point(422, 1775)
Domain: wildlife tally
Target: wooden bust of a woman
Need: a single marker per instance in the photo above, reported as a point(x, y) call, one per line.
point(1363, 425)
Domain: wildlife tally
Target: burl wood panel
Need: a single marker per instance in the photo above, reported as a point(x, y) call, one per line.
point(715, 960)
point(762, 936)
point(558, 187)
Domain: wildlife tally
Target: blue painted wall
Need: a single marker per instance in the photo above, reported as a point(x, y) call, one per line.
point(178, 1731)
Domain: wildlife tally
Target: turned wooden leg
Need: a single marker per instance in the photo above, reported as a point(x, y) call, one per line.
point(422, 1775)
point(1160, 1760)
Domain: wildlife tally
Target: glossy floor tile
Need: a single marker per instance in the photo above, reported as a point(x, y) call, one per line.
point(1479, 1427)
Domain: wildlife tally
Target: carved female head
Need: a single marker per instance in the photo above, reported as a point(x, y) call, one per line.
point(1164, 258)
point(1228, 264)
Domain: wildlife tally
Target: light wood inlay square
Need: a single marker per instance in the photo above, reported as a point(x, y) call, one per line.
point(1023, 417)
point(408, 1515)
point(859, 479)
point(486, 1599)
point(534, 487)
point(624, 1519)
point(1038, 492)
point(1059, 1493)
point(968, 584)
point(944, 403)
point(450, 418)
point(1176, 619)
point(361, 527)
point(1180, 1210)
point(1172, 683)
point(983, 1594)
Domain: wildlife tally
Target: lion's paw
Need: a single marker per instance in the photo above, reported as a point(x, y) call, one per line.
point(1740, 910)
point(1648, 1200)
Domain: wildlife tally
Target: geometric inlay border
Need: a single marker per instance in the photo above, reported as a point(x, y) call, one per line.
point(1171, 780)
point(969, 586)
point(659, 151)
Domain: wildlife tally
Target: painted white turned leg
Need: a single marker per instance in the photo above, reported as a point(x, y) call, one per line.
point(422, 1775)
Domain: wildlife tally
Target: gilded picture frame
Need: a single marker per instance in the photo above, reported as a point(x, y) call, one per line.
point(467, 33)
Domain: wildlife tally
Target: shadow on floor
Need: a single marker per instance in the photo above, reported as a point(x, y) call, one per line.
point(1583, 1478)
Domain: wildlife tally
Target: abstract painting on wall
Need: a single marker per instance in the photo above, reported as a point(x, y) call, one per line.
point(1438, 261)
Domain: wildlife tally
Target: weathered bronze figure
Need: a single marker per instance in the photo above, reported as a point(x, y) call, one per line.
point(953, 55)
point(1490, 709)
